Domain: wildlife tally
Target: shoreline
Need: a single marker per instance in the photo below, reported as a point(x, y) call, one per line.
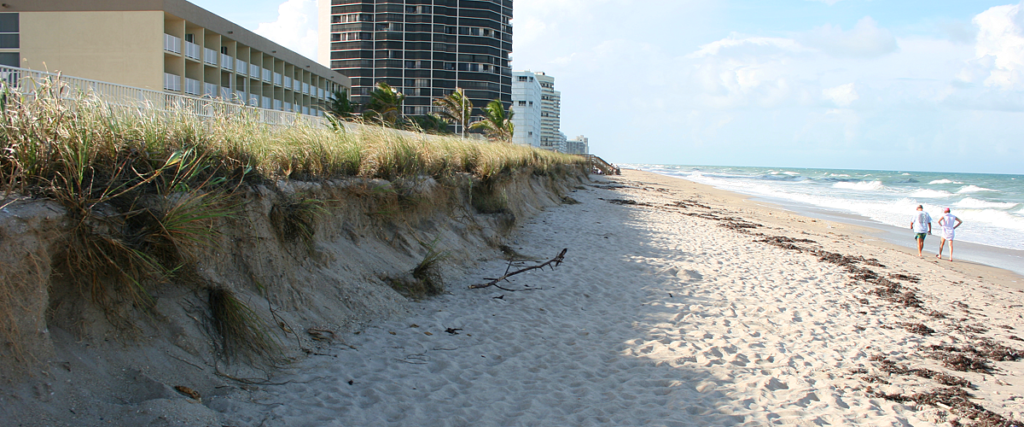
point(676, 304)
point(885, 236)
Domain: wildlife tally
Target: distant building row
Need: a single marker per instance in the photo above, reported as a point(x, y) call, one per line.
point(537, 106)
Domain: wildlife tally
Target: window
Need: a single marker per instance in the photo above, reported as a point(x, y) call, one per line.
point(522, 78)
point(522, 103)
point(10, 59)
point(9, 27)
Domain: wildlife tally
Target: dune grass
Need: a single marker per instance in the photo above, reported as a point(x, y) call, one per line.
point(46, 137)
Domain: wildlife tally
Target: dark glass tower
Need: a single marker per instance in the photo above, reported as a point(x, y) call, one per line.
point(424, 48)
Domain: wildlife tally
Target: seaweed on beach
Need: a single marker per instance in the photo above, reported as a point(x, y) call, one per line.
point(686, 204)
point(918, 328)
point(894, 292)
point(956, 400)
point(985, 348)
point(786, 242)
point(905, 277)
point(627, 202)
point(892, 368)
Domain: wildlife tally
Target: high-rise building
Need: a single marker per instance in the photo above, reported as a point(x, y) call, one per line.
point(551, 107)
point(526, 104)
point(423, 48)
point(578, 145)
point(169, 45)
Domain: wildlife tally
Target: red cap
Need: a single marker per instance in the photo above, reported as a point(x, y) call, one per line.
point(947, 210)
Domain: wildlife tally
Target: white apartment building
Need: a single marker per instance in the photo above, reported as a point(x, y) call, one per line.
point(527, 106)
point(551, 110)
point(578, 145)
point(169, 45)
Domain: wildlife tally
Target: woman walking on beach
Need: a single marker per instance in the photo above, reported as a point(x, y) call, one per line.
point(922, 226)
point(948, 227)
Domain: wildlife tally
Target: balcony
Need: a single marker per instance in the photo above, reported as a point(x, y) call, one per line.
point(254, 100)
point(278, 105)
point(241, 67)
point(266, 103)
point(254, 71)
point(267, 74)
point(172, 82)
point(192, 50)
point(172, 44)
point(287, 82)
point(210, 89)
point(226, 61)
point(240, 96)
point(297, 86)
point(305, 88)
point(210, 56)
point(287, 106)
point(277, 79)
point(192, 86)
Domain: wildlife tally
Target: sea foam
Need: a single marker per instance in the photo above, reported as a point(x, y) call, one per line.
point(860, 186)
point(973, 189)
point(931, 194)
point(944, 181)
point(972, 203)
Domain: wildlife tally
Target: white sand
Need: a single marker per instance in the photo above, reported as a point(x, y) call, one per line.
point(656, 318)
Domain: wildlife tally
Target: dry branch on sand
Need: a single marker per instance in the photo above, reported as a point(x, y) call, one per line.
point(554, 262)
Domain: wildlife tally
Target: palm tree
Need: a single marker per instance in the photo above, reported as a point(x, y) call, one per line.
point(385, 104)
point(455, 108)
point(339, 106)
point(497, 122)
point(431, 123)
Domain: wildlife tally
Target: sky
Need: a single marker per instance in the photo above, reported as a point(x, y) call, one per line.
point(915, 85)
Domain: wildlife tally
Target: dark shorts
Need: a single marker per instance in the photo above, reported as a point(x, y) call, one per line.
point(920, 236)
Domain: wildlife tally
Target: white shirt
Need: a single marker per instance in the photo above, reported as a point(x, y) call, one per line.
point(921, 222)
point(948, 224)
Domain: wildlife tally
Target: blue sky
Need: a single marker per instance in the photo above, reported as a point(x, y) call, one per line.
point(863, 84)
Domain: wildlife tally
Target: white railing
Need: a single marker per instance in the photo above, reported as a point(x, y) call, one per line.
point(241, 67)
point(192, 50)
point(30, 82)
point(210, 56)
point(172, 82)
point(172, 44)
point(226, 61)
point(211, 90)
point(192, 86)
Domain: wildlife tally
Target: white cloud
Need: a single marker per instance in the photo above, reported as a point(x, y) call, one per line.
point(737, 44)
point(842, 95)
point(295, 27)
point(999, 48)
point(828, 2)
point(866, 39)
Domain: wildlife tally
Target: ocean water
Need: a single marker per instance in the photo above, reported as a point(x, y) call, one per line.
point(991, 206)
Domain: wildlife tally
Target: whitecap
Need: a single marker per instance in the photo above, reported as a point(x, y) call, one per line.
point(973, 189)
point(906, 174)
point(972, 203)
point(931, 194)
point(944, 181)
point(860, 186)
point(792, 173)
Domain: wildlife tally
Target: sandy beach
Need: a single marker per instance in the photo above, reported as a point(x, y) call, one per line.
point(676, 304)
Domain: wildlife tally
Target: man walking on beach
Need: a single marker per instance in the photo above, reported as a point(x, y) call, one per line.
point(948, 227)
point(922, 226)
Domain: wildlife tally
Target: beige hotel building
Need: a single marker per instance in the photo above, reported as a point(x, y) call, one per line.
point(169, 45)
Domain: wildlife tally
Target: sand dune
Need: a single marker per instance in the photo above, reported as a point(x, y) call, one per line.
point(661, 316)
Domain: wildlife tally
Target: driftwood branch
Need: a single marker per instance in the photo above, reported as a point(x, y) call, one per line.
point(554, 262)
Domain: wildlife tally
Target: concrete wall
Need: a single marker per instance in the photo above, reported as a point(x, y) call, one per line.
point(119, 47)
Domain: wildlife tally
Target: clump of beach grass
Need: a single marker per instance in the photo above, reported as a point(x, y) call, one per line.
point(296, 217)
point(242, 333)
